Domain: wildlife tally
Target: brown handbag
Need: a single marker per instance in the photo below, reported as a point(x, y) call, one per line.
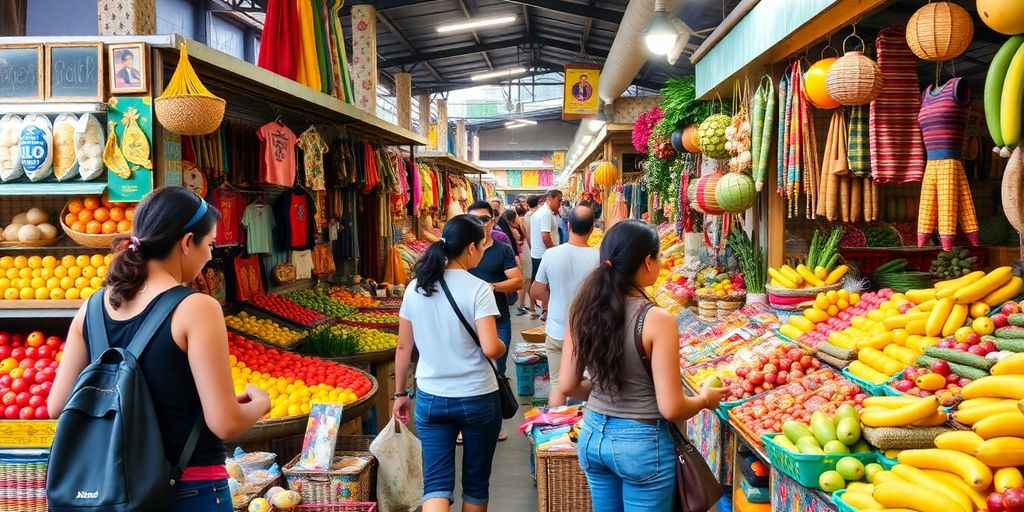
point(697, 487)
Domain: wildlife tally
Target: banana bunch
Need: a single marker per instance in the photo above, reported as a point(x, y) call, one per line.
point(185, 82)
point(1004, 94)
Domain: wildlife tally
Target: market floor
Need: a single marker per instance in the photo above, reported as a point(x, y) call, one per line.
point(512, 487)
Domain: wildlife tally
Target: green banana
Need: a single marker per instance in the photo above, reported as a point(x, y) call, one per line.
point(1011, 99)
point(994, 86)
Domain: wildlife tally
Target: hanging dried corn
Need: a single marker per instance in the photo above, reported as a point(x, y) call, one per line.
point(764, 119)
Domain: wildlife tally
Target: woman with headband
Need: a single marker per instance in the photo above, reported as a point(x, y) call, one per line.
point(185, 364)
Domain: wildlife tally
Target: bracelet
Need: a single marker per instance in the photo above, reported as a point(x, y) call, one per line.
point(400, 394)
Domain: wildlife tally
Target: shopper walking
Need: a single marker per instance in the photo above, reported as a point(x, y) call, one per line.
point(456, 387)
point(561, 272)
point(625, 446)
point(185, 364)
point(544, 233)
point(526, 302)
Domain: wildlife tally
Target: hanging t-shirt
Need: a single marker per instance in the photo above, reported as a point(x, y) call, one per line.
point(313, 149)
point(231, 204)
point(248, 282)
point(259, 223)
point(295, 229)
point(277, 145)
point(303, 261)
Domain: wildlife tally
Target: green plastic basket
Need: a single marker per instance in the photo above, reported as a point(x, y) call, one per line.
point(886, 462)
point(804, 468)
point(842, 505)
point(869, 388)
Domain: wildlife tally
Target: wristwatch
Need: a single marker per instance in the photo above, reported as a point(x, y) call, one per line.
point(400, 394)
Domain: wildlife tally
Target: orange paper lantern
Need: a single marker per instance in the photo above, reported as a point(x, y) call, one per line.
point(814, 84)
point(939, 31)
point(690, 139)
point(606, 174)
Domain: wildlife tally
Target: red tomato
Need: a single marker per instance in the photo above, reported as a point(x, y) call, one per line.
point(27, 412)
point(22, 399)
point(27, 362)
point(44, 352)
point(19, 385)
point(8, 398)
point(5, 338)
point(11, 412)
point(42, 413)
point(35, 339)
point(36, 401)
point(30, 375)
point(53, 342)
point(5, 352)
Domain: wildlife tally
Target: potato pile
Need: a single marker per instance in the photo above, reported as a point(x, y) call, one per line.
point(30, 226)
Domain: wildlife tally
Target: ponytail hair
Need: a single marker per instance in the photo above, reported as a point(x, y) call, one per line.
point(597, 317)
point(459, 233)
point(161, 220)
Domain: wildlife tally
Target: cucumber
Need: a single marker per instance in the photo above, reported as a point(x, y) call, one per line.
point(1012, 332)
point(897, 265)
point(956, 356)
point(959, 369)
point(1013, 345)
point(1017, 319)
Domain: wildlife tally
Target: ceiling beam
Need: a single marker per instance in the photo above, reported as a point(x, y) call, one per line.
point(460, 51)
point(465, 84)
point(476, 36)
point(526, 19)
point(390, 25)
point(580, 10)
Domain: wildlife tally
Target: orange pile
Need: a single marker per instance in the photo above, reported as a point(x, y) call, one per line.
point(96, 215)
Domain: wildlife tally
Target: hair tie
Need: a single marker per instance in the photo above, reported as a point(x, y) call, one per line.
point(134, 244)
point(444, 243)
point(608, 263)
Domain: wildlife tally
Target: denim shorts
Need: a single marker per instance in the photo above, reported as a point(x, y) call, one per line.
point(202, 496)
point(438, 422)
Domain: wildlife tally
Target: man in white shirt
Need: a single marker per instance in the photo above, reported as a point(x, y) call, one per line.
point(558, 278)
point(544, 233)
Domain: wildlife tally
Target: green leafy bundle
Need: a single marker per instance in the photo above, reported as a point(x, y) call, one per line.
point(751, 259)
point(680, 105)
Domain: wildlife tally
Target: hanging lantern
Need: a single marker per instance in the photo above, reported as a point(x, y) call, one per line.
point(606, 174)
point(677, 139)
point(939, 31)
point(690, 142)
point(706, 194)
point(735, 192)
point(854, 79)
point(1003, 16)
point(814, 84)
point(712, 136)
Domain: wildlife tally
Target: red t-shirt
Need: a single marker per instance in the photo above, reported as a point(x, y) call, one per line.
point(277, 145)
point(231, 205)
point(298, 219)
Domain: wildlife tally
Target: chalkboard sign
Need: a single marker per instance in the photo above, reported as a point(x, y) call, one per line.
point(21, 72)
point(75, 72)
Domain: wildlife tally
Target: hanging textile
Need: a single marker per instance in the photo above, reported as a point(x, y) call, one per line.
point(531, 179)
point(514, 178)
point(369, 233)
point(279, 49)
point(321, 47)
point(897, 151)
point(309, 70)
point(339, 36)
point(858, 145)
point(546, 178)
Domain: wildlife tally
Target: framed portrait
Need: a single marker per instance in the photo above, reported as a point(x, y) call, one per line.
point(128, 64)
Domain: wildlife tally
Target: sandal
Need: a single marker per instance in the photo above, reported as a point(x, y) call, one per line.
point(544, 316)
point(502, 436)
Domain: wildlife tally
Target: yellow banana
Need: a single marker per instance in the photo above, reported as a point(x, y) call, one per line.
point(970, 469)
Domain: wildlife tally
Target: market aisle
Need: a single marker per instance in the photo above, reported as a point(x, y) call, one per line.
point(512, 486)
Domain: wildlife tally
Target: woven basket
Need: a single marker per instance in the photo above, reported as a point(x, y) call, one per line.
point(333, 486)
point(351, 506)
point(189, 115)
point(22, 482)
point(801, 292)
point(854, 79)
point(37, 243)
point(85, 239)
point(940, 31)
point(561, 484)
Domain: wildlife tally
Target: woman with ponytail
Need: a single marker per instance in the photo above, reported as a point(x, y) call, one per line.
point(185, 363)
point(456, 387)
point(625, 446)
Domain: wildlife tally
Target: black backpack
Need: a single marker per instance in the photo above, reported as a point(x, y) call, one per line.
point(108, 454)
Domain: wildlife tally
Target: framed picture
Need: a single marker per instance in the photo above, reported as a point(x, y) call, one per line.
point(128, 64)
point(75, 72)
point(21, 72)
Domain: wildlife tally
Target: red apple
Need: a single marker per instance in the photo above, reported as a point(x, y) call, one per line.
point(1000, 320)
point(940, 367)
point(995, 502)
point(1008, 309)
point(1013, 500)
point(903, 385)
point(973, 338)
point(946, 343)
point(962, 347)
point(988, 346)
point(977, 350)
point(952, 379)
point(910, 373)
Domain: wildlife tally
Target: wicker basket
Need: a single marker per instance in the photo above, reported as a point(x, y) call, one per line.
point(940, 31)
point(85, 239)
point(189, 115)
point(801, 292)
point(334, 486)
point(854, 79)
point(37, 243)
point(534, 335)
point(561, 484)
point(351, 506)
point(22, 482)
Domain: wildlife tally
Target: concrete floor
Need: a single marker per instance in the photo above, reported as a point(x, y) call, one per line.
point(512, 487)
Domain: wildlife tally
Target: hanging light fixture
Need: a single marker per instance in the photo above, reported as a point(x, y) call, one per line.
point(660, 35)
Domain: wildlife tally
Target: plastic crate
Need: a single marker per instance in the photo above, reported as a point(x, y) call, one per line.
point(526, 372)
point(805, 468)
point(755, 494)
point(886, 462)
point(869, 388)
point(866, 260)
point(842, 505)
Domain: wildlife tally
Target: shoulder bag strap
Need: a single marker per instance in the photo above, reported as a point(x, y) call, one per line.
point(638, 337)
point(96, 325)
point(469, 328)
point(161, 311)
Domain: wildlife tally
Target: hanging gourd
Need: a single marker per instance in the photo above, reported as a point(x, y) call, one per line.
point(690, 141)
point(814, 84)
point(711, 136)
point(606, 174)
point(854, 79)
point(677, 139)
point(1003, 16)
point(735, 192)
point(940, 31)
point(706, 194)
point(186, 106)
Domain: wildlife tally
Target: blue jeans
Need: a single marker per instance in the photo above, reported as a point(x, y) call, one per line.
point(630, 465)
point(438, 422)
point(202, 496)
point(505, 335)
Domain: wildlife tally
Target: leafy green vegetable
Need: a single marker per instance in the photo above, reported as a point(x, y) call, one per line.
point(680, 104)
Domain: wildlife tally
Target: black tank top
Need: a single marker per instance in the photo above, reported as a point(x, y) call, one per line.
point(171, 386)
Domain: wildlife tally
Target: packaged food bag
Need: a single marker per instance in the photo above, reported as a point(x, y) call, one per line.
point(36, 143)
point(65, 163)
point(10, 149)
point(400, 469)
point(89, 141)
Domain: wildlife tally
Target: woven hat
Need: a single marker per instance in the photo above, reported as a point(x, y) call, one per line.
point(939, 31)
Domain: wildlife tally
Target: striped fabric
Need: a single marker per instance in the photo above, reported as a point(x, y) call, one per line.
point(897, 153)
point(858, 148)
point(945, 199)
point(943, 119)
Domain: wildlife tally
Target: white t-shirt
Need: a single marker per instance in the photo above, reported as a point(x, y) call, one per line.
point(543, 221)
point(563, 269)
point(451, 364)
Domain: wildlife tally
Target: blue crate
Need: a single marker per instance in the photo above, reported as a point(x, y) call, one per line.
point(526, 372)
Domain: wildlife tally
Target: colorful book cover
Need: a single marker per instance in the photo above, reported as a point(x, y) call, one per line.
point(321, 437)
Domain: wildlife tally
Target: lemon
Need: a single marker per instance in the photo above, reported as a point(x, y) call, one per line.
point(81, 283)
point(82, 260)
point(60, 272)
point(20, 262)
point(4, 283)
point(72, 294)
point(27, 294)
point(88, 271)
point(52, 283)
point(6, 262)
point(101, 271)
point(10, 294)
point(37, 272)
point(12, 273)
point(96, 282)
point(37, 282)
point(86, 292)
point(46, 273)
point(96, 260)
point(56, 294)
point(107, 259)
point(42, 293)
point(35, 262)
point(75, 272)
point(67, 283)
point(67, 261)
point(49, 262)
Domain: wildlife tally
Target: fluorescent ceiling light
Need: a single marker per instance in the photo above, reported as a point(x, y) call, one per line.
point(661, 34)
point(526, 121)
point(472, 24)
point(498, 74)
point(514, 124)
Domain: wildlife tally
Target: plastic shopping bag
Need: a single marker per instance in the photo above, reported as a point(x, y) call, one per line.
point(400, 469)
